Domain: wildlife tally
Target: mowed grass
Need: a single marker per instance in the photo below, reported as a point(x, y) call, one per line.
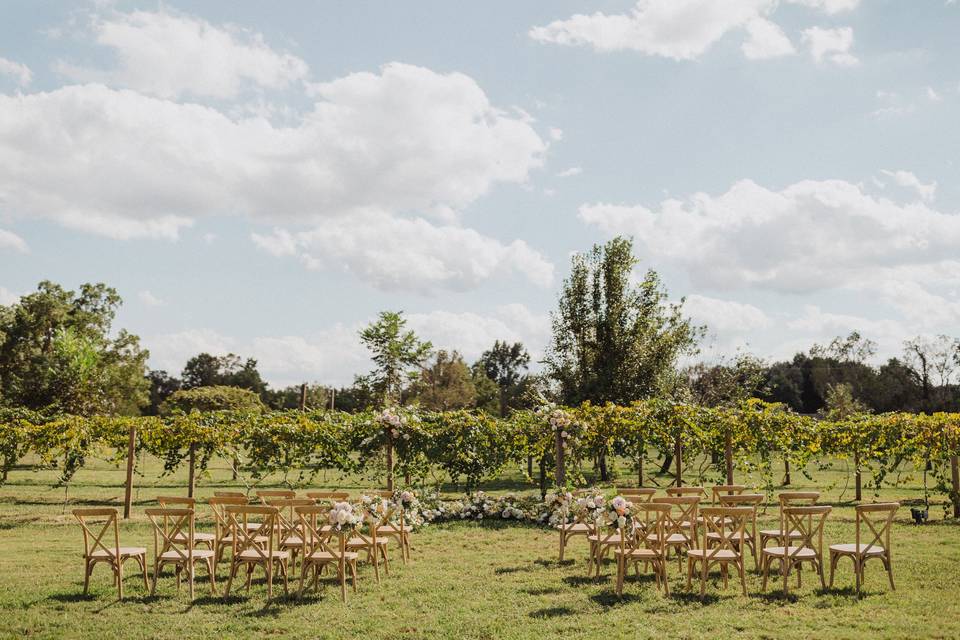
point(467, 579)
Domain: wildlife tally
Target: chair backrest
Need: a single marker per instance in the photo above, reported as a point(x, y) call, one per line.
point(725, 490)
point(655, 516)
point(311, 520)
point(286, 512)
point(683, 515)
point(172, 531)
point(637, 495)
point(270, 494)
point(727, 524)
point(329, 495)
point(172, 501)
point(798, 498)
point(229, 494)
point(878, 519)
point(687, 491)
point(808, 523)
point(245, 537)
point(383, 494)
point(749, 500)
point(95, 541)
point(219, 504)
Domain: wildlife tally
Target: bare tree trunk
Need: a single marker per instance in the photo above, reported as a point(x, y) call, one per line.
point(192, 471)
point(786, 471)
point(131, 454)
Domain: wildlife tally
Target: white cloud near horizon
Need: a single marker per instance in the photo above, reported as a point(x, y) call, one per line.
point(907, 179)
point(19, 72)
point(169, 54)
point(831, 45)
point(10, 240)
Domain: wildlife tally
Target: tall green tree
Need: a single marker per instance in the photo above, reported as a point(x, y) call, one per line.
point(397, 354)
point(445, 385)
point(506, 365)
point(615, 340)
point(57, 353)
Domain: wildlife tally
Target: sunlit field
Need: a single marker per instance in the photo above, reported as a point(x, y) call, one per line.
point(467, 579)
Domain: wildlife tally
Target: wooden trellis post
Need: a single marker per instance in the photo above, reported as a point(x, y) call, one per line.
point(857, 481)
point(678, 456)
point(389, 461)
point(131, 453)
point(192, 473)
point(728, 455)
point(561, 472)
point(955, 472)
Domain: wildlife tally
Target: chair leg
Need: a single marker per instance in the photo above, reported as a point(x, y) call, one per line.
point(156, 574)
point(765, 565)
point(87, 570)
point(743, 580)
point(269, 578)
point(286, 586)
point(662, 562)
point(785, 570)
point(833, 566)
point(212, 572)
point(621, 569)
point(372, 555)
point(249, 575)
point(704, 565)
point(190, 570)
point(120, 577)
point(343, 583)
point(562, 545)
point(233, 572)
point(386, 562)
point(143, 570)
point(888, 565)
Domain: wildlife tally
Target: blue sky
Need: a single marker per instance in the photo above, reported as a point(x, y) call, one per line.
point(263, 178)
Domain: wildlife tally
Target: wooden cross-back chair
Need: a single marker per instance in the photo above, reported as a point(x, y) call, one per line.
point(634, 550)
point(722, 544)
point(248, 548)
point(274, 494)
point(223, 532)
point(184, 502)
point(289, 532)
point(329, 496)
point(698, 491)
point(579, 526)
point(637, 495)
point(808, 522)
point(725, 490)
point(101, 547)
point(603, 539)
point(324, 549)
point(395, 526)
point(680, 530)
point(229, 494)
point(173, 543)
point(877, 519)
point(749, 538)
point(787, 499)
point(375, 547)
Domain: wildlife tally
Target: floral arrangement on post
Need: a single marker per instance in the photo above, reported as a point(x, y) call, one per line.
point(589, 507)
point(618, 513)
point(556, 508)
point(344, 518)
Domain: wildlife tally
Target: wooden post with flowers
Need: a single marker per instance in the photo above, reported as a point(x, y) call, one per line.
point(128, 491)
point(561, 475)
point(389, 461)
point(560, 422)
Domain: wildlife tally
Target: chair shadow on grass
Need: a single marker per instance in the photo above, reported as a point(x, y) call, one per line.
point(542, 591)
point(778, 596)
point(78, 596)
point(554, 563)
point(505, 570)
point(552, 612)
point(580, 581)
point(609, 598)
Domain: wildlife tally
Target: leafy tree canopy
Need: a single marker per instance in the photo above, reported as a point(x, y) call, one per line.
point(213, 398)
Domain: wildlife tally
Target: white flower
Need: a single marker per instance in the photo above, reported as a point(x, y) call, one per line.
point(598, 501)
point(406, 436)
point(564, 434)
point(619, 503)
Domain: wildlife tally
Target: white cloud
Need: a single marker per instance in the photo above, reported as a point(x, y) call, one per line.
point(149, 299)
point(932, 95)
point(568, 173)
point(829, 6)
point(408, 254)
point(374, 145)
point(8, 298)
point(810, 236)
point(831, 45)
point(19, 72)
point(10, 240)
point(677, 29)
point(169, 54)
point(765, 40)
point(556, 134)
point(725, 316)
point(909, 180)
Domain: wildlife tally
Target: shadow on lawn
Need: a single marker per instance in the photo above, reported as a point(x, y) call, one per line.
point(72, 597)
point(552, 612)
point(579, 581)
point(609, 598)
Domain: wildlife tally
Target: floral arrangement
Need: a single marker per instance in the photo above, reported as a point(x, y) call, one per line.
point(556, 508)
point(393, 422)
point(589, 507)
point(618, 512)
point(344, 517)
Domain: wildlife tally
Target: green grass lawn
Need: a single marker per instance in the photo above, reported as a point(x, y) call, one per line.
point(467, 580)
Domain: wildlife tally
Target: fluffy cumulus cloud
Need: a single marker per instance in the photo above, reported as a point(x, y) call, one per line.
point(677, 29)
point(168, 54)
point(812, 236)
point(829, 6)
point(765, 40)
point(725, 316)
point(20, 73)
point(831, 45)
point(907, 179)
point(334, 355)
point(11, 241)
point(149, 299)
point(407, 254)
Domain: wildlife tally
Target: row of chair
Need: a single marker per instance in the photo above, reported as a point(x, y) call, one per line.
point(729, 527)
point(271, 535)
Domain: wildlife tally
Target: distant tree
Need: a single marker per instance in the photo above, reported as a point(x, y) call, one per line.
point(853, 348)
point(206, 370)
point(726, 384)
point(488, 393)
point(445, 385)
point(356, 398)
point(841, 403)
point(933, 362)
point(213, 398)
point(162, 386)
point(57, 353)
point(318, 397)
point(397, 354)
point(614, 340)
point(506, 365)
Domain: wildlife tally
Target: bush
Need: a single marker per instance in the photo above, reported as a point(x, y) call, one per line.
point(216, 398)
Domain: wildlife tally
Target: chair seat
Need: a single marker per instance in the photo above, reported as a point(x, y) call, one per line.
point(354, 543)
point(614, 539)
point(713, 535)
point(198, 536)
point(713, 554)
point(387, 530)
point(673, 538)
point(326, 556)
point(853, 549)
point(577, 527)
point(292, 541)
point(125, 552)
point(794, 552)
point(253, 554)
point(638, 553)
point(198, 554)
point(777, 533)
